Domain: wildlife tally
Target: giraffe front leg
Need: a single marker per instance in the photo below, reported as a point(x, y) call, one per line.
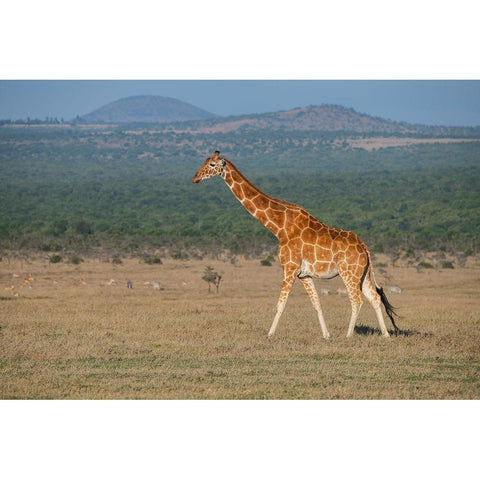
point(289, 273)
point(312, 293)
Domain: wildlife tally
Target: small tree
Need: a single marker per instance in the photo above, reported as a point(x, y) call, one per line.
point(211, 277)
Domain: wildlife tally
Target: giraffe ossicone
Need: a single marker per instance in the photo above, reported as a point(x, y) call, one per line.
point(307, 248)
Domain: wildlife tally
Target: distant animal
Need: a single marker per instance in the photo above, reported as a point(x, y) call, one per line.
point(129, 284)
point(324, 291)
point(156, 286)
point(342, 291)
point(307, 248)
point(393, 289)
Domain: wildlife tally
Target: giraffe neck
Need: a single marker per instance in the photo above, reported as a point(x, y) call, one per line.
point(259, 204)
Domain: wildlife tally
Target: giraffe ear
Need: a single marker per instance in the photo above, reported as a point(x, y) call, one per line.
point(215, 155)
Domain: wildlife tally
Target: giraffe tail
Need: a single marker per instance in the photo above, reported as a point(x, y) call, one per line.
point(389, 308)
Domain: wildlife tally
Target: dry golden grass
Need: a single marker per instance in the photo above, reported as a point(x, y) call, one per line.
point(72, 336)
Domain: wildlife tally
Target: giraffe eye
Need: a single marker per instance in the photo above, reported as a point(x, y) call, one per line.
point(212, 164)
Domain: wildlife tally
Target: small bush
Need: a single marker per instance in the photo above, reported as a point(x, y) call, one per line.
point(50, 247)
point(56, 259)
point(83, 228)
point(425, 265)
point(116, 260)
point(447, 265)
point(75, 260)
point(151, 259)
point(267, 262)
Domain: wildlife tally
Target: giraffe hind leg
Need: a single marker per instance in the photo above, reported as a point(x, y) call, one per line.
point(356, 304)
point(375, 299)
point(355, 296)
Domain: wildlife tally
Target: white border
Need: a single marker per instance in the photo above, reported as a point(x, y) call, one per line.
point(239, 439)
point(252, 39)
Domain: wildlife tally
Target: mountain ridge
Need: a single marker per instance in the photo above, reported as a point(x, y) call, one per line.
point(169, 114)
point(146, 109)
point(325, 117)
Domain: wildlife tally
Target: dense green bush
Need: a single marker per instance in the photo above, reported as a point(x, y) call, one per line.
point(77, 189)
point(56, 259)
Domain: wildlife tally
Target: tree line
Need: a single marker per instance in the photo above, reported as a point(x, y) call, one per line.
point(64, 189)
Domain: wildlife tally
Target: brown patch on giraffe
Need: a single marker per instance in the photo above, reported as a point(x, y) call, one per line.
point(340, 243)
point(322, 268)
point(248, 190)
point(309, 235)
point(308, 252)
point(322, 254)
point(273, 228)
point(296, 221)
point(314, 223)
point(276, 206)
point(237, 191)
point(351, 255)
point(295, 246)
point(292, 231)
point(249, 205)
point(261, 201)
point(261, 216)
point(277, 217)
point(324, 239)
point(284, 254)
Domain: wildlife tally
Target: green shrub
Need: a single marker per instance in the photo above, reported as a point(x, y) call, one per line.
point(425, 265)
point(76, 260)
point(56, 259)
point(151, 259)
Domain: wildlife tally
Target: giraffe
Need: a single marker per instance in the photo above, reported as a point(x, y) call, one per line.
point(307, 248)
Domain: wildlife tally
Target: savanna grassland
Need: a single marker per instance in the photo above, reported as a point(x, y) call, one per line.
point(77, 332)
point(75, 198)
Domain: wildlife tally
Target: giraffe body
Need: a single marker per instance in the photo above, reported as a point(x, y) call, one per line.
point(307, 248)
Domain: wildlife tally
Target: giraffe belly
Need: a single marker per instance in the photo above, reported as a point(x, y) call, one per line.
point(317, 269)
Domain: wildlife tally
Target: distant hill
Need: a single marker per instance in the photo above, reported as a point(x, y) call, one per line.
point(326, 118)
point(322, 118)
point(146, 109)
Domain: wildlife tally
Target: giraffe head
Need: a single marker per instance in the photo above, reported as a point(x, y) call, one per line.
point(212, 167)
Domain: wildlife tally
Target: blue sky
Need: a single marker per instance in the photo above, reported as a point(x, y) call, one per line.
point(433, 102)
